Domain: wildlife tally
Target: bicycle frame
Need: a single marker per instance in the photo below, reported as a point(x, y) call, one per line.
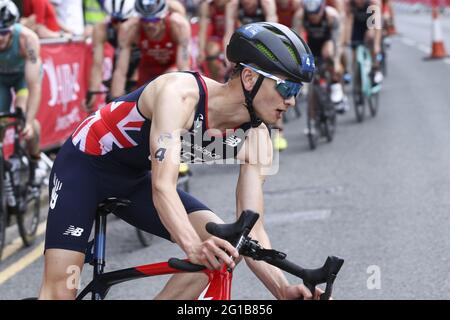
point(364, 59)
point(219, 286)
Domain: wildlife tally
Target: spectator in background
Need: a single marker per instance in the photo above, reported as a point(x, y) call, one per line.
point(93, 14)
point(70, 16)
point(46, 23)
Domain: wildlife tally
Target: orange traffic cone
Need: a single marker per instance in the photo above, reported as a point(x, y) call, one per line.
point(437, 47)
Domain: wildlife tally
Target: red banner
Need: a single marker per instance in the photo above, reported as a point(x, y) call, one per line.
point(63, 90)
point(65, 80)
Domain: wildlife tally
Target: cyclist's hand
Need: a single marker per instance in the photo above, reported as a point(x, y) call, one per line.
point(28, 131)
point(88, 103)
point(212, 253)
point(295, 292)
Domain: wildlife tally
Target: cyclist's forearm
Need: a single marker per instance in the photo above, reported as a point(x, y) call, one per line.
point(174, 217)
point(272, 277)
point(34, 99)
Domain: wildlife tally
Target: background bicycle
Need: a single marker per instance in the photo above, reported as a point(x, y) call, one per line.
point(20, 192)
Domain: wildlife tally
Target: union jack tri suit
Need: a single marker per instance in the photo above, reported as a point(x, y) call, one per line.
point(108, 156)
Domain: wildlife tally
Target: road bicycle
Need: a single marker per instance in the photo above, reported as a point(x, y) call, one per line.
point(20, 194)
point(321, 113)
point(364, 90)
point(219, 287)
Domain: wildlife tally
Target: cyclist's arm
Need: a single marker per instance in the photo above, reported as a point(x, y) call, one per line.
point(98, 41)
point(297, 23)
point(173, 110)
point(182, 31)
point(270, 10)
point(203, 24)
point(348, 25)
point(126, 37)
point(378, 26)
point(230, 22)
point(297, 8)
point(33, 70)
point(177, 6)
point(165, 149)
point(257, 154)
point(336, 33)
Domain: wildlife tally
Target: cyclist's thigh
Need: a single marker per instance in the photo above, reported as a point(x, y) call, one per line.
point(21, 90)
point(73, 199)
point(5, 96)
point(142, 212)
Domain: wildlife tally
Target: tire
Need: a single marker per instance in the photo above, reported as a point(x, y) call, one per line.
point(28, 199)
point(145, 238)
point(29, 213)
point(373, 104)
point(358, 96)
point(3, 211)
point(330, 122)
point(312, 126)
point(3, 222)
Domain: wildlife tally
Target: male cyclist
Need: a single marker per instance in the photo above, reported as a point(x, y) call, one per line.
point(362, 19)
point(170, 119)
point(119, 11)
point(162, 34)
point(322, 25)
point(20, 71)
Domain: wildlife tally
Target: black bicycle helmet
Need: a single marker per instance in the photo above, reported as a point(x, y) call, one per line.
point(273, 48)
point(9, 14)
point(151, 8)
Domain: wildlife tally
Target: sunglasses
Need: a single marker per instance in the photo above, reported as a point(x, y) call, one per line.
point(5, 32)
point(287, 89)
point(151, 19)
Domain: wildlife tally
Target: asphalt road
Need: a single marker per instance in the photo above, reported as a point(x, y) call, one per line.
point(378, 196)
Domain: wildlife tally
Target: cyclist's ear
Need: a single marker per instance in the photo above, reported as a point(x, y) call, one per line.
point(249, 78)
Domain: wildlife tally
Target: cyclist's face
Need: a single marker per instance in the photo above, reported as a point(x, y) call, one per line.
point(153, 28)
point(269, 104)
point(316, 18)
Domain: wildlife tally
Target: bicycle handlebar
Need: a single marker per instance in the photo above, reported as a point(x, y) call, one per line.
point(17, 114)
point(237, 234)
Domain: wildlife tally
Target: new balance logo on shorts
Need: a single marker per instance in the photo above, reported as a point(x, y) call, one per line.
point(72, 231)
point(57, 185)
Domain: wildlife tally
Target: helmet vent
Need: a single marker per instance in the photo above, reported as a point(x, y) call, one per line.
point(261, 47)
point(292, 52)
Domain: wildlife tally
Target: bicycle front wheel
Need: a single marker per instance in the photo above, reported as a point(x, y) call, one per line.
point(358, 97)
point(28, 214)
point(3, 221)
point(373, 104)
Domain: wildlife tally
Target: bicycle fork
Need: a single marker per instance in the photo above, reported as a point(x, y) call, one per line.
point(99, 249)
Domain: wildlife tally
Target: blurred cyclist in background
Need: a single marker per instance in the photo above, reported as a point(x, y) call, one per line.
point(162, 33)
point(362, 18)
point(21, 72)
point(322, 24)
point(119, 12)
